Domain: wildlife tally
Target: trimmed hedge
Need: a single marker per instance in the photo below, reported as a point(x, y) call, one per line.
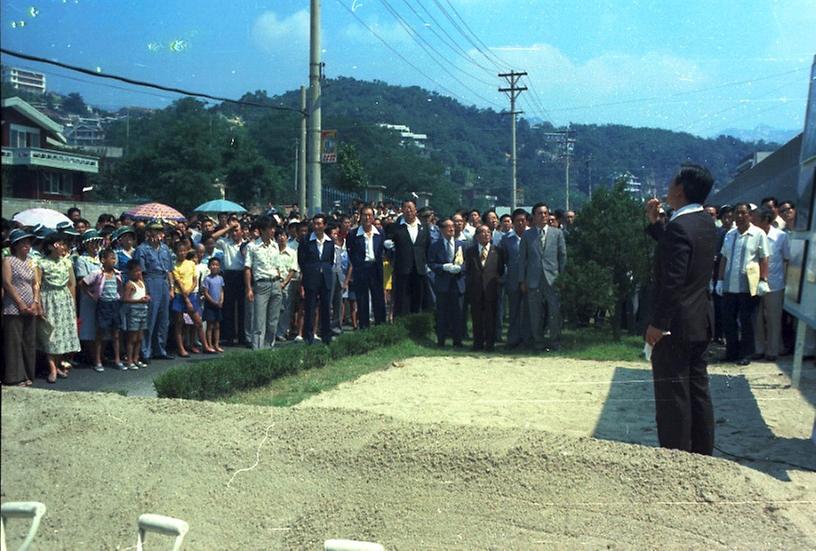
point(244, 370)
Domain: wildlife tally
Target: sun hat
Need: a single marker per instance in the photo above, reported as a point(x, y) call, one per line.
point(17, 235)
point(91, 235)
point(67, 228)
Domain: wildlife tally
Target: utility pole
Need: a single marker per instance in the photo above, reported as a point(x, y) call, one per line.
point(589, 175)
point(569, 143)
point(302, 156)
point(315, 123)
point(513, 92)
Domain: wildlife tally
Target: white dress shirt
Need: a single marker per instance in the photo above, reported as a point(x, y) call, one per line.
point(369, 242)
point(320, 242)
point(413, 229)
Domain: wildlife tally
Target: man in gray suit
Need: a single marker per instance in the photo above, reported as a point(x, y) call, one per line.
point(542, 257)
point(519, 330)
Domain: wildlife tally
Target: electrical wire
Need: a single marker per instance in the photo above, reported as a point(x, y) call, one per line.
point(398, 54)
point(143, 83)
point(500, 61)
point(428, 48)
point(464, 34)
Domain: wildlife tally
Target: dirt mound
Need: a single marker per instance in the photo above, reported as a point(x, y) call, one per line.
point(255, 478)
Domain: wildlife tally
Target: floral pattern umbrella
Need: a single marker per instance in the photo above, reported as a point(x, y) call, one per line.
point(153, 211)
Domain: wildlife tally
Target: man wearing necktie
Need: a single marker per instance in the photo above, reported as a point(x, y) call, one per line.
point(445, 259)
point(542, 258)
point(484, 266)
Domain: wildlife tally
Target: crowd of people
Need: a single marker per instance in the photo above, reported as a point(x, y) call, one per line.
point(121, 289)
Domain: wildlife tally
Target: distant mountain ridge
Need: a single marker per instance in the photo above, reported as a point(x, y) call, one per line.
point(761, 133)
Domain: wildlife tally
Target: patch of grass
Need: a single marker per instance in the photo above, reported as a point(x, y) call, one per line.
point(292, 389)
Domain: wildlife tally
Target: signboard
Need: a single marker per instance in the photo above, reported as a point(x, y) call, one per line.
point(328, 146)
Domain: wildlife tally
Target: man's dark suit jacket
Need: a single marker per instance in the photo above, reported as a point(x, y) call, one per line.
point(437, 257)
point(483, 283)
point(685, 252)
point(356, 247)
point(317, 271)
point(409, 257)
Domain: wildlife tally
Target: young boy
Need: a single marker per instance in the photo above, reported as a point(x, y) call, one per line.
point(135, 307)
point(105, 288)
point(186, 299)
point(213, 286)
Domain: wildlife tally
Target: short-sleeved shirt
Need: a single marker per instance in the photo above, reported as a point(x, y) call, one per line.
point(262, 259)
point(155, 262)
point(740, 249)
point(780, 253)
point(214, 284)
point(233, 258)
point(55, 273)
point(287, 261)
point(184, 275)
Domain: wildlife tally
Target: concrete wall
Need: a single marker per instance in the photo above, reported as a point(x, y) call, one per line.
point(90, 210)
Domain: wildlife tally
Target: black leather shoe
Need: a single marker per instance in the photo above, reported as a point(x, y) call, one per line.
point(164, 357)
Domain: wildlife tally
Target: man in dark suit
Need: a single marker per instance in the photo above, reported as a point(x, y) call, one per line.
point(316, 260)
point(484, 266)
point(681, 327)
point(445, 259)
point(518, 331)
point(542, 258)
point(408, 240)
point(365, 250)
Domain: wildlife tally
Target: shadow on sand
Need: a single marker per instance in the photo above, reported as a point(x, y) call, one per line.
point(742, 434)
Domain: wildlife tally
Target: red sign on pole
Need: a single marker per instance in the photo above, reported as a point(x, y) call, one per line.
point(328, 146)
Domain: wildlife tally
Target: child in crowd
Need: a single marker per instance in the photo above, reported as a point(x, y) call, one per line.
point(186, 299)
point(213, 286)
point(136, 299)
point(105, 288)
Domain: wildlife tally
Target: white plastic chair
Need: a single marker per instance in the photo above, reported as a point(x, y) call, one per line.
point(351, 545)
point(21, 509)
point(161, 524)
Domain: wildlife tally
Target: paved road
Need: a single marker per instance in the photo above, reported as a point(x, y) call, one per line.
point(133, 383)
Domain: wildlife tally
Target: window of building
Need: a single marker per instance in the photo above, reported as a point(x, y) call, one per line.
point(57, 183)
point(24, 136)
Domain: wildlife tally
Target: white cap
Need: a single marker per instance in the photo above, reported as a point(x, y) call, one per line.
point(752, 207)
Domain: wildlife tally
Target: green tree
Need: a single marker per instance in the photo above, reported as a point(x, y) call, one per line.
point(609, 256)
point(73, 103)
point(351, 174)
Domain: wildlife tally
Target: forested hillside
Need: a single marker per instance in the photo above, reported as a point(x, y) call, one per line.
point(252, 148)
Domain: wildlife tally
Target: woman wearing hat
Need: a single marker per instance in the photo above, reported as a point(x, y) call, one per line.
point(84, 265)
point(21, 306)
point(123, 239)
point(58, 299)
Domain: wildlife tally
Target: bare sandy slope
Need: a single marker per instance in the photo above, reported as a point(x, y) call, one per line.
point(100, 460)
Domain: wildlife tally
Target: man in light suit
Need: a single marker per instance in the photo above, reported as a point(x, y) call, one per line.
point(542, 258)
point(449, 284)
point(519, 330)
point(316, 261)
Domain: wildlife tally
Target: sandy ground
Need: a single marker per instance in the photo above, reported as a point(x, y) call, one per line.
point(456, 453)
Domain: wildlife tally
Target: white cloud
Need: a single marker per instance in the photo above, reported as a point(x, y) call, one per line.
point(271, 33)
point(393, 33)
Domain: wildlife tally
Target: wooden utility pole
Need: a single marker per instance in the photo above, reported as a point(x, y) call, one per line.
point(513, 92)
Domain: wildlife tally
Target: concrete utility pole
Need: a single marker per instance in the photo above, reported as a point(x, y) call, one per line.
point(315, 123)
point(513, 92)
point(569, 143)
point(589, 175)
point(301, 170)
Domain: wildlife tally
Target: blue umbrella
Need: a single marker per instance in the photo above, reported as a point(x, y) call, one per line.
point(220, 205)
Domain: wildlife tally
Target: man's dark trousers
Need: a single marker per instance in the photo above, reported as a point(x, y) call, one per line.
point(739, 340)
point(367, 280)
point(233, 327)
point(685, 416)
point(449, 317)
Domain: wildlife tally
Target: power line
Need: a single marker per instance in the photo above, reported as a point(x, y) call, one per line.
point(466, 36)
point(479, 40)
point(397, 53)
point(456, 46)
point(689, 92)
point(142, 83)
point(425, 45)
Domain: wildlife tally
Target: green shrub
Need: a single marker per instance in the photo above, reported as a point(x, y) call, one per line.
point(419, 326)
point(244, 370)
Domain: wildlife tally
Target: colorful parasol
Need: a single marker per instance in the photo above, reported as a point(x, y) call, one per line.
point(152, 211)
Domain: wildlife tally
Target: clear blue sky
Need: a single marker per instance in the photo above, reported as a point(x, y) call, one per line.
point(698, 66)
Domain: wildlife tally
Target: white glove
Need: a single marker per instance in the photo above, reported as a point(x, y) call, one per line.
point(456, 269)
point(448, 267)
point(718, 288)
point(388, 244)
point(763, 288)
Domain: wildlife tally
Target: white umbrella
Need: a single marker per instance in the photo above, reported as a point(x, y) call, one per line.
point(47, 217)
